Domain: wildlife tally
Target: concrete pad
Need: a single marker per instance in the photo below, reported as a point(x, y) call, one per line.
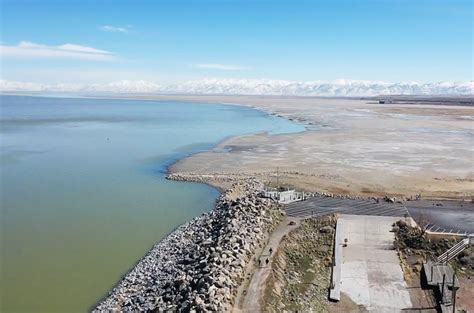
point(357, 239)
point(354, 278)
point(383, 256)
point(371, 274)
point(353, 253)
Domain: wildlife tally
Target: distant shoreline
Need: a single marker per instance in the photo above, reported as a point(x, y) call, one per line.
point(448, 100)
point(433, 178)
point(448, 186)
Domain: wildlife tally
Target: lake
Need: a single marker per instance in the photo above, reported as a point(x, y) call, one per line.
point(83, 193)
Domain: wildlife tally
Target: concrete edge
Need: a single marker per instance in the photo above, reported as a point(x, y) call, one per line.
point(335, 289)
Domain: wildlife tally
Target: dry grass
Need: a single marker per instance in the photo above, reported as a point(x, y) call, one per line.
point(301, 271)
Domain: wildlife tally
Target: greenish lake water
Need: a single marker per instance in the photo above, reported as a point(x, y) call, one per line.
point(83, 194)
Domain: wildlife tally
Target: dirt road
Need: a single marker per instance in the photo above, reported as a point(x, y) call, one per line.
point(251, 299)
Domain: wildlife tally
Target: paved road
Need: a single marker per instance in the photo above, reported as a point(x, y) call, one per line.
point(319, 206)
point(441, 216)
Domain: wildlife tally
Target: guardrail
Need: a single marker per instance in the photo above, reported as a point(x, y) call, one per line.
point(453, 251)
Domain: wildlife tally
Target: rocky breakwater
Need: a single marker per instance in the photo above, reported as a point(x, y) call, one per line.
point(204, 178)
point(202, 263)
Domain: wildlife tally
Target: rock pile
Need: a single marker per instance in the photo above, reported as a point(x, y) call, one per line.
point(336, 196)
point(201, 264)
point(410, 237)
point(416, 247)
point(204, 178)
point(234, 177)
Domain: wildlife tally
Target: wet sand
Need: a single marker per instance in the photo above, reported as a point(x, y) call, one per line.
point(351, 146)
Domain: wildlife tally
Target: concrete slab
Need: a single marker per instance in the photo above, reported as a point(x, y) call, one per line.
point(354, 253)
point(335, 291)
point(355, 282)
point(371, 274)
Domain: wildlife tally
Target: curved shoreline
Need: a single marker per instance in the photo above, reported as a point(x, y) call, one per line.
point(170, 240)
point(201, 264)
point(158, 269)
point(369, 161)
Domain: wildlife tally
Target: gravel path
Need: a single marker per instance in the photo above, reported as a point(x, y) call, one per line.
point(256, 288)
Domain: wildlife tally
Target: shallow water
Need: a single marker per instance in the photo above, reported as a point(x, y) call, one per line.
point(83, 194)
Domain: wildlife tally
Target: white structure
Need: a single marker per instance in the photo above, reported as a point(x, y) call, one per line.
point(284, 197)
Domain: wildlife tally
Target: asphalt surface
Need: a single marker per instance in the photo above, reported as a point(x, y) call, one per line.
point(439, 216)
point(443, 216)
point(319, 206)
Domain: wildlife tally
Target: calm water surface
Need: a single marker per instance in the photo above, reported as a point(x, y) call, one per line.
point(82, 190)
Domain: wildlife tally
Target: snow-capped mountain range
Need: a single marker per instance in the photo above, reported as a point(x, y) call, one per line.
point(338, 88)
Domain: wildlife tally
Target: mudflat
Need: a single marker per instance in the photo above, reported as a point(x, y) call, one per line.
point(351, 146)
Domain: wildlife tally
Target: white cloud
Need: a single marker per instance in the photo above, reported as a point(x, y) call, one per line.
point(339, 88)
point(222, 67)
point(114, 29)
point(26, 49)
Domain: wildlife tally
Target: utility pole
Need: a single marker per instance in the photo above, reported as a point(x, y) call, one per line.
point(278, 181)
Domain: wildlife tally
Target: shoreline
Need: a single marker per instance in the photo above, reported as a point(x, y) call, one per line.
point(166, 173)
point(161, 242)
point(330, 153)
point(205, 257)
point(271, 105)
point(432, 181)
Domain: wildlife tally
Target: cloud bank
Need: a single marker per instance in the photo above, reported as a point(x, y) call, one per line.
point(26, 49)
point(339, 88)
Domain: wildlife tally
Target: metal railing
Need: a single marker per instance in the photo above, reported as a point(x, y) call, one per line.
point(453, 251)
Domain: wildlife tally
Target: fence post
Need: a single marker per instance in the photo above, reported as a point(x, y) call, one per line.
point(453, 301)
point(442, 288)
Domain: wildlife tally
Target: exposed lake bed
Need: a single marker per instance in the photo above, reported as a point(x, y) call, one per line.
point(353, 146)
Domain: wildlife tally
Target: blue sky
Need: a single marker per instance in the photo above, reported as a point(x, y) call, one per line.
point(174, 41)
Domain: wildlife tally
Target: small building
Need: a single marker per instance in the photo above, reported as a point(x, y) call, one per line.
point(286, 196)
point(385, 101)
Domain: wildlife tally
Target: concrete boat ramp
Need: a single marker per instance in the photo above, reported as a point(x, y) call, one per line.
point(366, 266)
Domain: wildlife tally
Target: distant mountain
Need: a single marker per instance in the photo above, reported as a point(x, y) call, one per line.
point(338, 88)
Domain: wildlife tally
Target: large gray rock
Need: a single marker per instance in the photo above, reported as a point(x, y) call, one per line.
point(326, 229)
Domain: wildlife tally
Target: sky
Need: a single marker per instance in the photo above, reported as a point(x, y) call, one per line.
point(173, 41)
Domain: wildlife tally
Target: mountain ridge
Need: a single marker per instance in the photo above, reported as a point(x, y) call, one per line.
point(264, 87)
